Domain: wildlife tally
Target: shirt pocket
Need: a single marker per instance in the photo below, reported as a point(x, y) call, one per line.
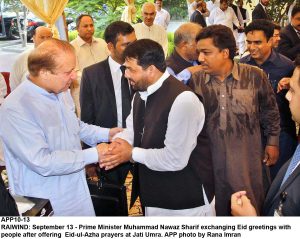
point(243, 102)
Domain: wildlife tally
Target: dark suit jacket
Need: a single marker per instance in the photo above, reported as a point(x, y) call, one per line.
point(97, 96)
point(98, 106)
point(291, 205)
point(197, 17)
point(289, 44)
point(259, 13)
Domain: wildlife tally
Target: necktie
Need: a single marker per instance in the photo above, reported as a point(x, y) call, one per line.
point(295, 160)
point(126, 98)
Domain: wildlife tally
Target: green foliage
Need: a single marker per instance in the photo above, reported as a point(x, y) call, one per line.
point(177, 9)
point(277, 9)
point(72, 35)
point(103, 12)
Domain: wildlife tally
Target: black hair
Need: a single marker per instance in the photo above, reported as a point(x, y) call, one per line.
point(266, 26)
point(221, 36)
point(78, 19)
point(147, 52)
point(116, 28)
point(295, 10)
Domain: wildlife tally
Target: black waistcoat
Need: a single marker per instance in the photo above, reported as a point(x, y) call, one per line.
point(172, 189)
point(177, 63)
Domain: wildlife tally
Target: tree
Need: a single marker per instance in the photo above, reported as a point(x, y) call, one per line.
point(278, 9)
point(104, 12)
point(17, 7)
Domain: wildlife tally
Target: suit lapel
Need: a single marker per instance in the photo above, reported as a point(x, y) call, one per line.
point(275, 189)
point(107, 80)
point(294, 35)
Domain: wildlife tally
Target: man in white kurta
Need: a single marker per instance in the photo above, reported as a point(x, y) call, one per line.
point(223, 15)
point(41, 134)
point(89, 50)
point(162, 16)
point(147, 29)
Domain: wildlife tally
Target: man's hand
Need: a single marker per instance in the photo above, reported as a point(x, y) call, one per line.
point(113, 132)
point(119, 151)
point(101, 149)
point(241, 205)
point(91, 171)
point(271, 155)
point(284, 83)
point(194, 69)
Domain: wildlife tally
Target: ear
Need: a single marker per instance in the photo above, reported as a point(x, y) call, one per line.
point(44, 74)
point(225, 53)
point(110, 46)
point(182, 44)
point(150, 70)
point(270, 41)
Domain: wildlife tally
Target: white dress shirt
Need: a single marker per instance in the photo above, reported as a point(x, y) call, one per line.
point(86, 55)
point(226, 18)
point(19, 70)
point(210, 5)
point(162, 18)
point(155, 32)
point(185, 122)
point(116, 74)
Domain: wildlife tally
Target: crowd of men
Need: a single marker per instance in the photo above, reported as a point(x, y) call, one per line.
point(202, 133)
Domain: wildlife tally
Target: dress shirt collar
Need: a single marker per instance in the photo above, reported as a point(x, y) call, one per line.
point(297, 32)
point(81, 42)
point(38, 89)
point(273, 59)
point(199, 11)
point(114, 66)
point(265, 9)
point(154, 87)
point(234, 72)
point(148, 26)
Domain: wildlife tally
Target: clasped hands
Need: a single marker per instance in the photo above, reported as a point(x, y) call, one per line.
point(241, 205)
point(114, 154)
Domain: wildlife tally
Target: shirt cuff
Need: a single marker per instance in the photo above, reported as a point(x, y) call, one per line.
point(138, 155)
point(103, 135)
point(90, 155)
point(273, 141)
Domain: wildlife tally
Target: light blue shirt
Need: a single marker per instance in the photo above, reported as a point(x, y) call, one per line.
point(42, 150)
point(184, 76)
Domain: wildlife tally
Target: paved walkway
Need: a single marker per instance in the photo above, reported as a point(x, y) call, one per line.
point(9, 51)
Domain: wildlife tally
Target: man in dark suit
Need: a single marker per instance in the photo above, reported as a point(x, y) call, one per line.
point(197, 15)
point(284, 192)
point(105, 97)
point(289, 44)
point(260, 11)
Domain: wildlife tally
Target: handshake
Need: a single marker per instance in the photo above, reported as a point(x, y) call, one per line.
point(111, 155)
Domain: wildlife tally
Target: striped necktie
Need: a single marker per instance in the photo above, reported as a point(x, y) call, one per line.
point(294, 162)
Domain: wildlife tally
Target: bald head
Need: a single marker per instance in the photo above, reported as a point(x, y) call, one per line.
point(187, 32)
point(185, 40)
point(52, 65)
point(41, 34)
point(148, 13)
point(46, 55)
